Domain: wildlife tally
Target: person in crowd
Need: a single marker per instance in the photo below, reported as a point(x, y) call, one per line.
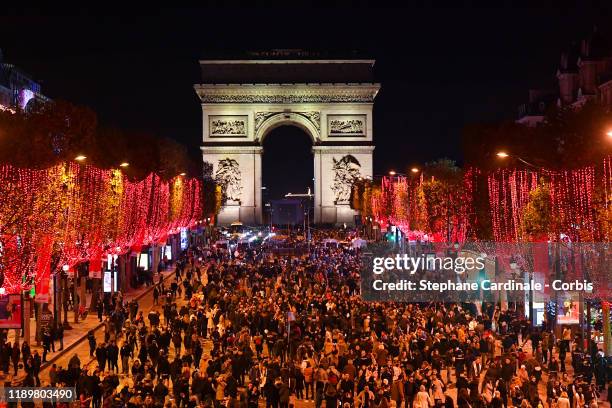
point(155, 295)
point(112, 356)
point(59, 336)
point(91, 339)
point(34, 363)
point(15, 354)
point(101, 356)
point(100, 308)
point(46, 335)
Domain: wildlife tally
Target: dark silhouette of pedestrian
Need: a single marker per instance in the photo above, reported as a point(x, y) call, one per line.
point(46, 344)
point(91, 338)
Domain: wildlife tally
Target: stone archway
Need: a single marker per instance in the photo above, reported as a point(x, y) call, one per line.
point(307, 121)
point(287, 166)
point(242, 101)
point(269, 123)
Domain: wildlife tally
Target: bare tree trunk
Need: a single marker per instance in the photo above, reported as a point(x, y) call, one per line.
point(94, 294)
point(26, 318)
point(155, 259)
point(76, 301)
point(38, 334)
point(606, 329)
point(83, 295)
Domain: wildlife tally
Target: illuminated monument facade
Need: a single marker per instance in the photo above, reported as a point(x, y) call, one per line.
point(329, 99)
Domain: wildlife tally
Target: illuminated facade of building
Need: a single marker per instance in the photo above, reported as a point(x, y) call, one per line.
point(17, 90)
point(584, 74)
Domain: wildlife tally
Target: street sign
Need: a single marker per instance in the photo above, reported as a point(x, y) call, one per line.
point(107, 282)
point(46, 319)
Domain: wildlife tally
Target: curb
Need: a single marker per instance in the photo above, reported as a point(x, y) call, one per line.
point(79, 340)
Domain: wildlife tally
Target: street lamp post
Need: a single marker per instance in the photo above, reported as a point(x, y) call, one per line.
point(504, 155)
point(532, 319)
point(75, 297)
point(65, 294)
point(395, 176)
point(26, 315)
point(55, 292)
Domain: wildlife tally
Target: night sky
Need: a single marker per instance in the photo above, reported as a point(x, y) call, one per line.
point(440, 69)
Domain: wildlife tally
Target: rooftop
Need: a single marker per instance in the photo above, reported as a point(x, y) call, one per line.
point(287, 67)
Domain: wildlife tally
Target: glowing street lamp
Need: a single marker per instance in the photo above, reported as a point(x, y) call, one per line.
point(124, 164)
point(80, 157)
point(414, 170)
point(504, 155)
point(392, 173)
point(609, 134)
point(183, 174)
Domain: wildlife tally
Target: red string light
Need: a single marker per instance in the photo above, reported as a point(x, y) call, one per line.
point(398, 204)
point(571, 200)
point(87, 212)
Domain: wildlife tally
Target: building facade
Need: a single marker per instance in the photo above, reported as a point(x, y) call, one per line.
point(18, 91)
point(584, 74)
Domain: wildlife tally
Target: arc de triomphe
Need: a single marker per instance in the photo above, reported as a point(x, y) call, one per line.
point(331, 100)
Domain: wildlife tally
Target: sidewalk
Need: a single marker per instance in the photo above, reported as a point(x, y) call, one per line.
point(79, 330)
point(81, 348)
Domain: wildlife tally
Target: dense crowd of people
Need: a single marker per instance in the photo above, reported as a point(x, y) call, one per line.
point(255, 329)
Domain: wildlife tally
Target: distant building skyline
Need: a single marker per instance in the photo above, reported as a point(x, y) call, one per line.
point(18, 91)
point(584, 74)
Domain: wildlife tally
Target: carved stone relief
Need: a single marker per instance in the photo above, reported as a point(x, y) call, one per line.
point(228, 126)
point(229, 177)
point(346, 125)
point(346, 170)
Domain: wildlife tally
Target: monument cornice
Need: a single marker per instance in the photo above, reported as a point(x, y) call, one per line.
point(342, 149)
point(231, 149)
point(287, 93)
point(285, 61)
